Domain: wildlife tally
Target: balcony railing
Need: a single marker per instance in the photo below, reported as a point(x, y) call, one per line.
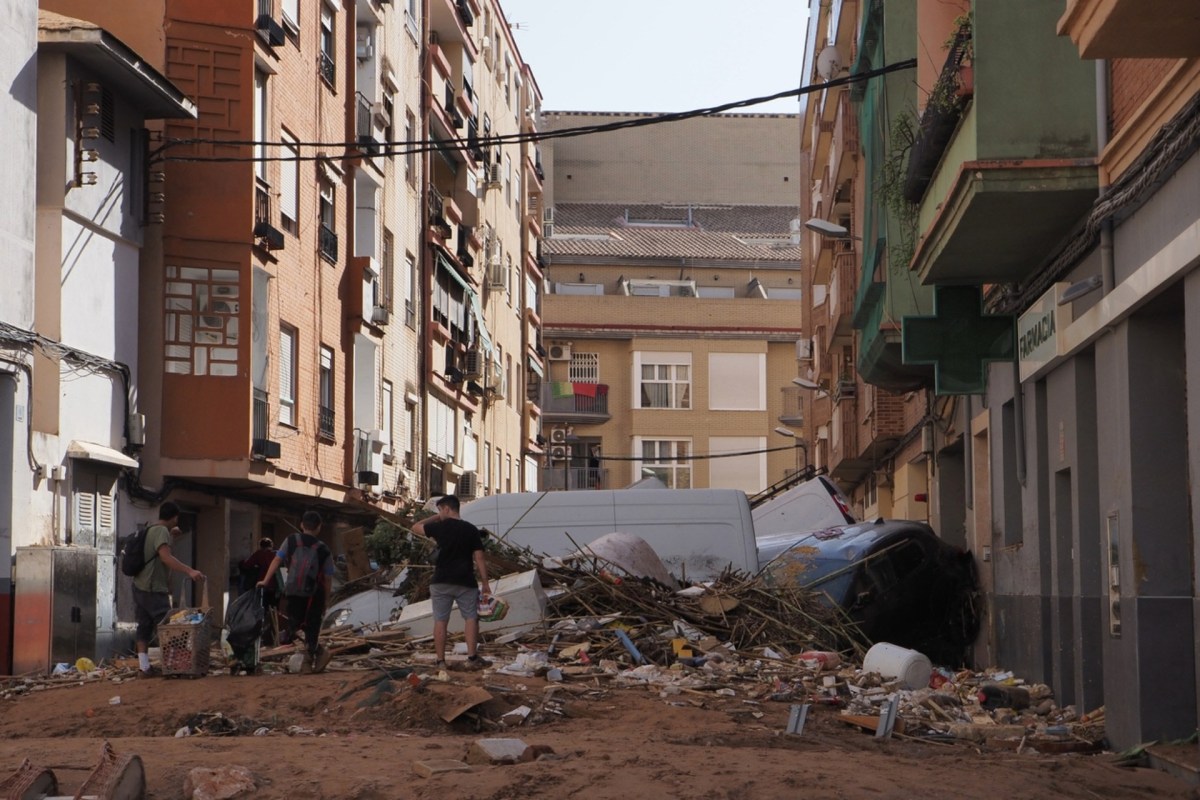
point(793, 405)
point(325, 420)
point(451, 107)
point(328, 68)
point(464, 12)
point(260, 414)
point(328, 244)
point(563, 477)
point(939, 120)
point(566, 397)
point(365, 126)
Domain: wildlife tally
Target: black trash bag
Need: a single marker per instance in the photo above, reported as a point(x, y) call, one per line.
point(244, 620)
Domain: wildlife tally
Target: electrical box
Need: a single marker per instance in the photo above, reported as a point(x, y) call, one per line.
point(54, 607)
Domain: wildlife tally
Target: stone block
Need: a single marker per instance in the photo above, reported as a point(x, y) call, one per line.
point(495, 751)
point(436, 766)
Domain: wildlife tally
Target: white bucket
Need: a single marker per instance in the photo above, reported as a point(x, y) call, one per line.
point(892, 661)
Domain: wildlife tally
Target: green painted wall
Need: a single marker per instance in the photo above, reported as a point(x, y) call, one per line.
point(1035, 97)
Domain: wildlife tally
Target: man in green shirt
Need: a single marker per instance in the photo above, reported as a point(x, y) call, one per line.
point(151, 586)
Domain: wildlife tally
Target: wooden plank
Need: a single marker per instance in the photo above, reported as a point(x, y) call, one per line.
point(354, 543)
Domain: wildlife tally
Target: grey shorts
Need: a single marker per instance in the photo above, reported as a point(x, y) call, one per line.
point(445, 595)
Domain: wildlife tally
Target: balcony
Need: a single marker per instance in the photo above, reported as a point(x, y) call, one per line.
point(268, 28)
point(328, 68)
point(793, 406)
point(367, 142)
point(566, 401)
point(561, 478)
point(1128, 29)
point(266, 235)
point(327, 244)
point(325, 423)
point(843, 286)
point(1018, 172)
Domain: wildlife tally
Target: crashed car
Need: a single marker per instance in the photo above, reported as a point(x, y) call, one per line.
point(895, 579)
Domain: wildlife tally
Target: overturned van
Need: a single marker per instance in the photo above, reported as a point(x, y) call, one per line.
point(896, 580)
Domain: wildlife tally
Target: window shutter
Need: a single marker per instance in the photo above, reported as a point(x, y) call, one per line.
point(287, 350)
point(289, 180)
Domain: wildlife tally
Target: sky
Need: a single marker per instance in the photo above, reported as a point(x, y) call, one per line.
point(660, 55)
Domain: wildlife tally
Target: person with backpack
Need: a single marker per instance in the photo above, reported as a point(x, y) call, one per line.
point(459, 556)
point(307, 588)
point(152, 582)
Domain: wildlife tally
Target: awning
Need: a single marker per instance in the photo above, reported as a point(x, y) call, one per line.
point(90, 451)
point(473, 299)
point(536, 367)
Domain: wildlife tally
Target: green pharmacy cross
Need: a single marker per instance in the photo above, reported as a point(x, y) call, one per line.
point(958, 340)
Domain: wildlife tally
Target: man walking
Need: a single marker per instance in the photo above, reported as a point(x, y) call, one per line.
point(459, 555)
point(152, 586)
point(307, 588)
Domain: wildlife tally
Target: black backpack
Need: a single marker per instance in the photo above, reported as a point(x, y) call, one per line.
point(133, 557)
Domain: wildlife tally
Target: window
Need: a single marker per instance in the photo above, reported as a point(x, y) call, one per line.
point(508, 276)
point(410, 424)
point(507, 179)
point(325, 389)
point(410, 287)
point(584, 368)
point(517, 192)
point(785, 293)
point(485, 479)
point(508, 375)
point(291, 14)
point(260, 124)
point(721, 292)
point(94, 504)
point(389, 108)
point(327, 237)
point(388, 269)
point(328, 64)
point(289, 184)
point(668, 460)
point(737, 381)
point(664, 380)
point(287, 376)
point(412, 16)
point(410, 155)
point(387, 423)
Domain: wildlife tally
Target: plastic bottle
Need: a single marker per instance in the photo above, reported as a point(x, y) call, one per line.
point(993, 696)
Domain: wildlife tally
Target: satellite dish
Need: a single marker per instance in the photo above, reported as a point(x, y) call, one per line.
point(829, 63)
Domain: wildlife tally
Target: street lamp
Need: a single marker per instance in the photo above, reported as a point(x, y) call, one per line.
point(824, 227)
point(797, 446)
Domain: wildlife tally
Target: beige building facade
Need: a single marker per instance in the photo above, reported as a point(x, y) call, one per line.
point(673, 304)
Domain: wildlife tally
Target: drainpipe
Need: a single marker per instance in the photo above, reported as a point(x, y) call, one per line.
point(1019, 421)
point(968, 454)
point(1107, 270)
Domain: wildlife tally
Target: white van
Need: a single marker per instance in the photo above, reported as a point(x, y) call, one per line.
point(810, 506)
point(696, 532)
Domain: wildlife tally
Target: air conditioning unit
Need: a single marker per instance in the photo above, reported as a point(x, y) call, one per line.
point(534, 201)
point(494, 175)
point(547, 230)
point(558, 452)
point(380, 112)
point(468, 485)
point(558, 436)
point(380, 315)
point(560, 352)
point(496, 277)
point(485, 47)
point(495, 379)
point(364, 50)
point(548, 215)
point(473, 364)
point(804, 349)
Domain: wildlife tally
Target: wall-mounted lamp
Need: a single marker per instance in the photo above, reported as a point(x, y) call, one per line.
point(1078, 290)
point(798, 443)
point(824, 227)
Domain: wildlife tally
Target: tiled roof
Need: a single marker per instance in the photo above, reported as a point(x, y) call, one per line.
point(758, 233)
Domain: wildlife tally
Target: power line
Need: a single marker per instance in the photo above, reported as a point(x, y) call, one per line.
point(393, 148)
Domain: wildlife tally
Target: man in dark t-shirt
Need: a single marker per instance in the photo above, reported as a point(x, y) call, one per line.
point(459, 555)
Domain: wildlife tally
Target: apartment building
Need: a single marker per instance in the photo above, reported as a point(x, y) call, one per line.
point(483, 222)
point(671, 319)
point(69, 322)
point(1050, 200)
point(336, 204)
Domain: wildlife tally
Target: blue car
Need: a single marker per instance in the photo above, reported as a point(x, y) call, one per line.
point(895, 579)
